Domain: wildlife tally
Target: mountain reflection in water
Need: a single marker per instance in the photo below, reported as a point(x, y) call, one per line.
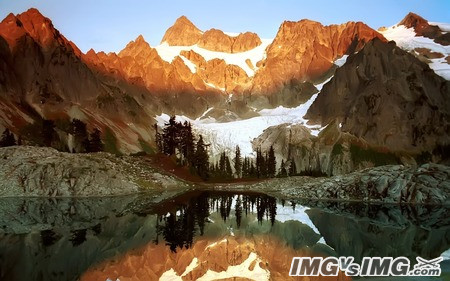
point(59, 239)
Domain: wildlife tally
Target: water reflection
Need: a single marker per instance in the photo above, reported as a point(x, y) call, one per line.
point(188, 218)
point(43, 239)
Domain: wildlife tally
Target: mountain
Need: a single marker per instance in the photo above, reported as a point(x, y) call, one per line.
point(44, 77)
point(182, 33)
point(427, 41)
point(243, 64)
point(423, 28)
point(185, 33)
point(306, 51)
point(388, 97)
point(223, 81)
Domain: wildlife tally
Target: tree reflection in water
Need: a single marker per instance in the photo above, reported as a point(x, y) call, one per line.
point(179, 226)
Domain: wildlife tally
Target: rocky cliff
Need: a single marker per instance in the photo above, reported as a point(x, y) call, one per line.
point(185, 33)
point(387, 97)
point(305, 51)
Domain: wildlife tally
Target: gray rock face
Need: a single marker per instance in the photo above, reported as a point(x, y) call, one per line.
point(427, 184)
point(38, 171)
point(332, 152)
point(387, 97)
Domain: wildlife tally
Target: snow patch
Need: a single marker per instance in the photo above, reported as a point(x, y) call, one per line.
point(320, 85)
point(189, 64)
point(168, 53)
point(287, 213)
point(232, 34)
point(445, 27)
point(341, 61)
point(446, 255)
point(215, 87)
point(216, 243)
point(441, 67)
point(240, 270)
point(406, 39)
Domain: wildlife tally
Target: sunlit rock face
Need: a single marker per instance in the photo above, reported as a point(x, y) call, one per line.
point(261, 258)
point(306, 50)
point(185, 33)
point(423, 28)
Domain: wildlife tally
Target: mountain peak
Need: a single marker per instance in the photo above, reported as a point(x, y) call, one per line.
point(138, 46)
point(413, 20)
point(183, 20)
point(140, 39)
point(422, 28)
point(182, 33)
point(32, 23)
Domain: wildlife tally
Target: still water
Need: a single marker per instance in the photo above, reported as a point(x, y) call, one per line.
point(62, 239)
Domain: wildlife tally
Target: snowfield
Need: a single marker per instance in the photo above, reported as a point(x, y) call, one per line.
point(226, 136)
point(406, 39)
point(168, 53)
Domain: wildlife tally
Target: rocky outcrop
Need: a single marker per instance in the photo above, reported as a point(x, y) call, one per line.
point(27, 171)
point(182, 33)
point(185, 33)
point(423, 28)
point(427, 184)
point(217, 40)
point(331, 152)
point(306, 50)
point(387, 97)
point(45, 172)
point(229, 77)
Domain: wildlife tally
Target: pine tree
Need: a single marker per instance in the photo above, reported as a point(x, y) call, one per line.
point(80, 133)
point(252, 169)
point(244, 168)
point(7, 139)
point(186, 143)
point(238, 162)
point(282, 172)
point(86, 144)
point(228, 170)
point(292, 168)
point(201, 159)
point(170, 136)
point(95, 144)
point(158, 139)
point(271, 163)
point(48, 132)
point(259, 163)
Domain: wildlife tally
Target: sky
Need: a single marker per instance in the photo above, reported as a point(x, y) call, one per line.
point(108, 25)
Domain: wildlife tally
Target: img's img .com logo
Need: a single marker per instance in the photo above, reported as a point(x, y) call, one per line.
point(370, 266)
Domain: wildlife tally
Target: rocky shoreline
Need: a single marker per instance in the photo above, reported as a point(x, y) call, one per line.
point(428, 184)
point(27, 171)
point(44, 172)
